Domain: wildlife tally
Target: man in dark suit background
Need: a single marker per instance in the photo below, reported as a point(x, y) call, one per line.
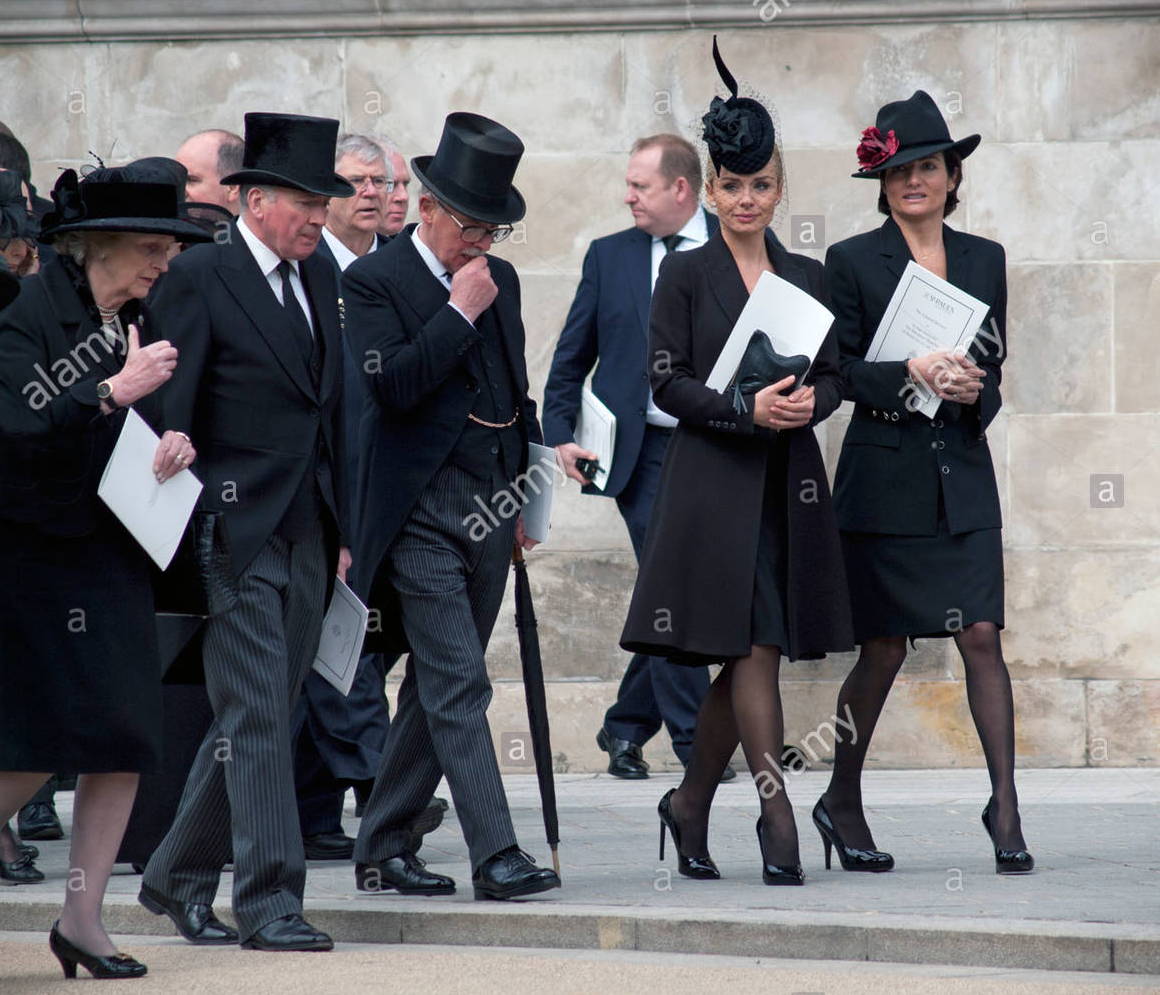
point(607, 328)
point(255, 320)
point(436, 324)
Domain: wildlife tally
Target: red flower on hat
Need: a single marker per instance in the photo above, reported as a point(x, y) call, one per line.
point(875, 148)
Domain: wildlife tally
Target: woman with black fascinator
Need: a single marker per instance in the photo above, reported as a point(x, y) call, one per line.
point(741, 565)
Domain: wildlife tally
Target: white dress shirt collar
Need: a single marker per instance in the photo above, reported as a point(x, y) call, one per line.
point(438, 270)
point(266, 258)
point(342, 255)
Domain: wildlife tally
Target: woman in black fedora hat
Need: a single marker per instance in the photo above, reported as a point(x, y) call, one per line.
point(79, 669)
point(741, 564)
point(916, 497)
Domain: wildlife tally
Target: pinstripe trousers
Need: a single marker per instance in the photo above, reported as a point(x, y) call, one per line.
point(450, 589)
point(241, 787)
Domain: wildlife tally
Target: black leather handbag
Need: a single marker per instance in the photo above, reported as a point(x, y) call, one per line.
point(200, 580)
point(762, 365)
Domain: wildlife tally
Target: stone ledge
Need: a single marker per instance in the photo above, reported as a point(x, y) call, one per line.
point(118, 20)
point(1057, 946)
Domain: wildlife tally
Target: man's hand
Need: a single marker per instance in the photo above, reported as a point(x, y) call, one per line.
point(344, 562)
point(174, 453)
point(567, 453)
point(473, 289)
point(521, 538)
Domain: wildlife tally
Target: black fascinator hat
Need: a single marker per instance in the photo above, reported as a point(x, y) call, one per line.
point(738, 131)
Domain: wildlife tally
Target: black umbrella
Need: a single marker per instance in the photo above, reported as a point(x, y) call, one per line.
point(533, 669)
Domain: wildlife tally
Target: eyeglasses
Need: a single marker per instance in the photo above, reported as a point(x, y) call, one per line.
point(477, 233)
point(378, 182)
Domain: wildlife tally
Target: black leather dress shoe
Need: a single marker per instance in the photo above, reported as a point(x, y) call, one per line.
point(288, 933)
point(194, 921)
point(404, 873)
point(38, 821)
point(624, 758)
point(510, 874)
point(328, 846)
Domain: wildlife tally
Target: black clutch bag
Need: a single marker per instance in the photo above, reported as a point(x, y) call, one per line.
point(762, 365)
point(200, 580)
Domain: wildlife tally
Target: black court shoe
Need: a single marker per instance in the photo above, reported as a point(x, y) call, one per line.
point(1007, 861)
point(851, 858)
point(700, 868)
point(118, 966)
point(777, 873)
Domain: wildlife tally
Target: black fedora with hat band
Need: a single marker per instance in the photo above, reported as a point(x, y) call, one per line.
point(473, 167)
point(141, 197)
point(291, 150)
point(905, 131)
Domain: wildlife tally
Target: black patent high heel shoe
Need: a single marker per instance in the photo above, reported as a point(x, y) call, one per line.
point(777, 873)
point(851, 858)
point(1007, 861)
point(701, 868)
point(118, 966)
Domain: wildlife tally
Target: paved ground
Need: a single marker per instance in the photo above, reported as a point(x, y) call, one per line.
point(175, 968)
point(1092, 905)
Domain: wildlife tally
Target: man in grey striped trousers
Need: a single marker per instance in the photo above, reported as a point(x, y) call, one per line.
point(436, 326)
point(258, 386)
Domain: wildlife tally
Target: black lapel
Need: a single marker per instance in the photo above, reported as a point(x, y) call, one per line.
point(784, 265)
point(958, 259)
point(421, 290)
point(638, 271)
point(893, 248)
point(243, 280)
point(508, 318)
point(725, 278)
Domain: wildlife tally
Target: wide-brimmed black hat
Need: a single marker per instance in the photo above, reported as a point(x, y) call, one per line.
point(473, 167)
point(291, 150)
point(739, 131)
point(907, 130)
point(144, 196)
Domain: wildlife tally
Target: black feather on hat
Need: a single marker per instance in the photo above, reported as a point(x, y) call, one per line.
point(738, 131)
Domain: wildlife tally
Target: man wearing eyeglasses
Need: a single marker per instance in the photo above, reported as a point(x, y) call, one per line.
point(436, 324)
point(352, 224)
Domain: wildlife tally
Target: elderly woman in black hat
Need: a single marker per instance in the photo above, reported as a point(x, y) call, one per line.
point(916, 496)
point(79, 670)
point(741, 565)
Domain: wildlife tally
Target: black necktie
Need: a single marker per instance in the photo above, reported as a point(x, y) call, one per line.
point(671, 242)
point(295, 316)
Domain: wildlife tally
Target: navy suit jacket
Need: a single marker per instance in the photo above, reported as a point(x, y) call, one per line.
point(607, 327)
point(895, 462)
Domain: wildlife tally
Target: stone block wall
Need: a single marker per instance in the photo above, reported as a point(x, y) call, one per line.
point(1067, 178)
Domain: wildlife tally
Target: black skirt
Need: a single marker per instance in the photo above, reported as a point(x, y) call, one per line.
point(80, 681)
point(924, 587)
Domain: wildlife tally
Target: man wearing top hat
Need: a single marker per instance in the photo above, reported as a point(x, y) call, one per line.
point(256, 320)
point(436, 323)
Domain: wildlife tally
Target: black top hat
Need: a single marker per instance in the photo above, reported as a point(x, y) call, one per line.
point(738, 131)
point(144, 196)
point(907, 130)
point(473, 167)
point(291, 150)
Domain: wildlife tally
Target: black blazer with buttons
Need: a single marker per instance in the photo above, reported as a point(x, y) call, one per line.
point(413, 348)
point(895, 463)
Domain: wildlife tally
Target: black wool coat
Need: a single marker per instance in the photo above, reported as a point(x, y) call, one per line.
point(412, 347)
point(894, 462)
point(694, 593)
